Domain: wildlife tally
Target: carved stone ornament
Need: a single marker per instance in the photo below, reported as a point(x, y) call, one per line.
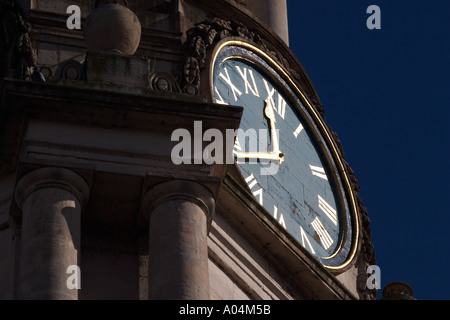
point(203, 37)
point(361, 286)
point(398, 291)
point(163, 82)
point(71, 70)
point(17, 57)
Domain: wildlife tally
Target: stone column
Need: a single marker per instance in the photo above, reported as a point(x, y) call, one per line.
point(274, 14)
point(179, 215)
point(50, 200)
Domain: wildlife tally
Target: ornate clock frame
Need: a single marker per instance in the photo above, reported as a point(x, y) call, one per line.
point(202, 43)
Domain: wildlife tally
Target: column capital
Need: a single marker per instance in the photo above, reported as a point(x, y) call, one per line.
point(51, 177)
point(179, 190)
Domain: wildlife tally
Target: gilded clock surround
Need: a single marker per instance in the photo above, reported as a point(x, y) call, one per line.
point(284, 81)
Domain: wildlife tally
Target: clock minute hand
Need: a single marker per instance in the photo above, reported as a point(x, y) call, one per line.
point(268, 111)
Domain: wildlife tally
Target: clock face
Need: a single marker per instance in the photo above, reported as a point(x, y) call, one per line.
point(282, 155)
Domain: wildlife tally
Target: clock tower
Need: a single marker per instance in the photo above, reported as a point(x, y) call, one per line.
point(170, 149)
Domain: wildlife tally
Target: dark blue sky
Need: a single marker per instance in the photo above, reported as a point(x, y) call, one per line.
point(387, 95)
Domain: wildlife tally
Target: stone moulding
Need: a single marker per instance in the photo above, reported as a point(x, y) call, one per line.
point(71, 70)
point(202, 38)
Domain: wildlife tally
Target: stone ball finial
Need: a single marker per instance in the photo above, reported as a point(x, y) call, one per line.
point(99, 3)
point(112, 27)
point(398, 291)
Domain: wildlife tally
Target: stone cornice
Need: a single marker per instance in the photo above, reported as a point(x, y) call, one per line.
point(78, 102)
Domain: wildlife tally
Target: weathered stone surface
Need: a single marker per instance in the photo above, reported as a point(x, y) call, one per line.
point(51, 200)
point(178, 251)
point(274, 14)
point(398, 291)
point(112, 27)
point(113, 68)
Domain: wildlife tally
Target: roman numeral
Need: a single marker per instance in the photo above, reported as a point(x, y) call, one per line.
point(220, 99)
point(227, 80)
point(324, 236)
point(298, 130)
point(275, 215)
point(318, 172)
point(237, 148)
point(270, 93)
point(253, 88)
point(305, 239)
point(280, 108)
point(251, 182)
point(328, 210)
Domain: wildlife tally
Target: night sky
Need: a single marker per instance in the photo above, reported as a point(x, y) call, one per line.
point(386, 93)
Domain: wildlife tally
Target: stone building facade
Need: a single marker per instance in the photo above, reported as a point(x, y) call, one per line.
point(86, 175)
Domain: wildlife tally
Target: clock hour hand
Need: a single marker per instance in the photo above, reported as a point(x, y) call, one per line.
point(268, 111)
point(259, 155)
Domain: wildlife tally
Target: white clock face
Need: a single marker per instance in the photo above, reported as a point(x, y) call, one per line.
point(282, 156)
